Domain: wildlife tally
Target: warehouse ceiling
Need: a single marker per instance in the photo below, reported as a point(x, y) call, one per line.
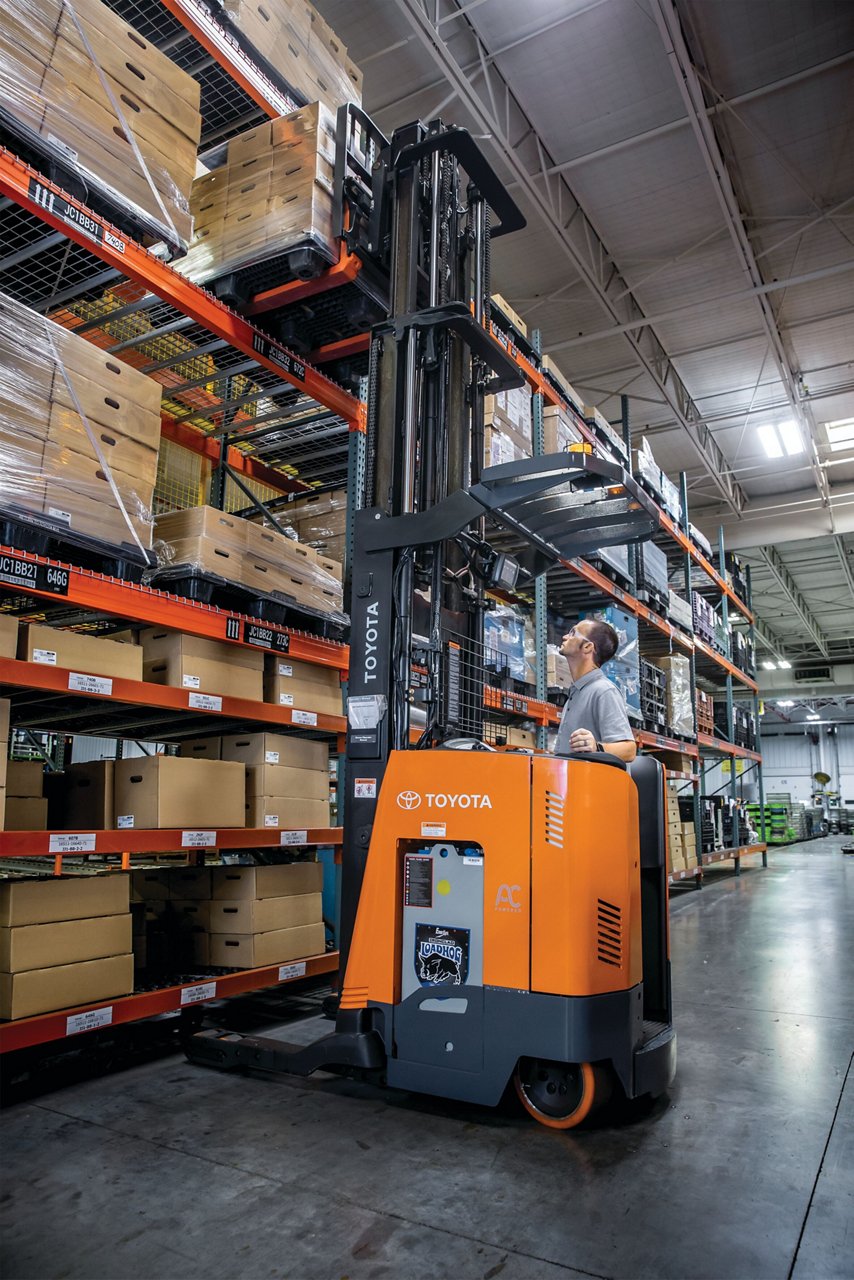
point(687, 172)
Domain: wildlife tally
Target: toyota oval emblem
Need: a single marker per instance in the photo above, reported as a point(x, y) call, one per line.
point(408, 799)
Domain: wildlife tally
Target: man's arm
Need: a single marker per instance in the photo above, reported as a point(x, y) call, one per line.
point(611, 727)
point(583, 740)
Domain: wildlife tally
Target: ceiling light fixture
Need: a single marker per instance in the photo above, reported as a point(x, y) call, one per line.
point(813, 717)
point(770, 442)
point(784, 438)
point(769, 665)
point(784, 665)
point(840, 434)
point(786, 703)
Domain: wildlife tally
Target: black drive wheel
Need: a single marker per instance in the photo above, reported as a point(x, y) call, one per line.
point(561, 1095)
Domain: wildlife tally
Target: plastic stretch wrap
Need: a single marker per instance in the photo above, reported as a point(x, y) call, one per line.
point(303, 49)
point(617, 557)
point(671, 498)
point(680, 714)
point(205, 540)
point(626, 626)
point(626, 676)
point(646, 467)
point(78, 82)
point(79, 433)
point(319, 520)
point(557, 670)
point(652, 568)
point(504, 642)
point(680, 611)
point(273, 193)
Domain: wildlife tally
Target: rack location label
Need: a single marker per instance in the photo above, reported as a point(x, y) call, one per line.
point(198, 839)
point(50, 579)
point(256, 634)
point(288, 971)
point(90, 684)
point(72, 843)
point(293, 837)
point(193, 995)
point(205, 701)
point(88, 1021)
point(304, 717)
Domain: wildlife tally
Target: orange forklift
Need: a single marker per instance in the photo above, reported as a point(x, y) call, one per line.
point(503, 914)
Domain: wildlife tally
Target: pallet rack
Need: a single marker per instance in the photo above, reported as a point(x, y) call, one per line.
point(61, 257)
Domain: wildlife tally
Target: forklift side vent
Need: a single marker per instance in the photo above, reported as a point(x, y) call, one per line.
point(554, 819)
point(610, 934)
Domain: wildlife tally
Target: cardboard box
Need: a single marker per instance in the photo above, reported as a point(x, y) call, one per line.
point(25, 813)
point(283, 691)
point(676, 761)
point(224, 530)
point(262, 915)
point(169, 791)
point(201, 748)
point(276, 748)
point(251, 950)
point(8, 636)
point(282, 780)
point(88, 654)
point(25, 777)
point(210, 666)
point(22, 995)
point(150, 884)
point(193, 912)
point(287, 812)
point(88, 799)
point(50, 898)
point(36, 946)
point(189, 883)
point(266, 882)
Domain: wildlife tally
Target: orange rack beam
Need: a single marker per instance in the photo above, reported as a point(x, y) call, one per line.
point(27, 1032)
point(708, 742)
point(60, 844)
point(657, 742)
point(727, 855)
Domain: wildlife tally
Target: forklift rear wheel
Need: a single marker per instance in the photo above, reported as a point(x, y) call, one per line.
point(561, 1095)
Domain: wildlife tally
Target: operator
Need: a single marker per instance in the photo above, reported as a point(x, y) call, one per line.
point(594, 717)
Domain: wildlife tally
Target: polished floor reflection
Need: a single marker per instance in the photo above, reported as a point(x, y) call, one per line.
point(746, 1170)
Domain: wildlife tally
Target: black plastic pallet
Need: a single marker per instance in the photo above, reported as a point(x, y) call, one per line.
point(63, 173)
point(608, 571)
point(44, 536)
point(211, 589)
point(304, 260)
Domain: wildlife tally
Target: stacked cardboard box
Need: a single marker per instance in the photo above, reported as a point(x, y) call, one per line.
point(208, 666)
point(170, 907)
point(259, 558)
point(106, 102)
point(513, 316)
point(560, 430)
point(320, 521)
point(575, 398)
point(86, 798)
point(705, 712)
point(171, 791)
point(287, 778)
point(273, 193)
point(26, 806)
point(266, 915)
point(63, 942)
point(305, 685)
point(508, 428)
point(681, 835)
point(304, 50)
point(5, 707)
point(607, 434)
point(86, 655)
point(79, 431)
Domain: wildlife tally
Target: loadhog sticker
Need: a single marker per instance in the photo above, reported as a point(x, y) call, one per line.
point(441, 955)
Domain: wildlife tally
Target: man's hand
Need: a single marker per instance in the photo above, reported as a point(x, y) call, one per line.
point(582, 740)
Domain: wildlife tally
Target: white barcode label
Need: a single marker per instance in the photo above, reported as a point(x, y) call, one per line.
point(190, 682)
point(205, 701)
point(204, 991)
point(304, 717)
point(285, 669)
point(472, 862)
point(88, 1021)
point(47, 657)
point(286, 699)
point(198, 839)
point(271, 819)
point(59, 514)
point(271, 757)
point(90, 684)
point(365, 788)
point(76, 843)
point(287, 971)
point(124, 821)
point(434, 829)
point(293, 837)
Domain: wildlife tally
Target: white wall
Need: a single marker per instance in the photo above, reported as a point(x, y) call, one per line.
point(790, 759)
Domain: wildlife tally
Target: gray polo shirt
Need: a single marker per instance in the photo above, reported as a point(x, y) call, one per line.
point(594, 703)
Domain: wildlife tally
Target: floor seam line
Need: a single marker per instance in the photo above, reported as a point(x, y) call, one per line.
point(820, 1167)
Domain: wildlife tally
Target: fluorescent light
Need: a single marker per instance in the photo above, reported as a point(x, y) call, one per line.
point(840, 434)
point(770, 442)
point(768, 665)
point(784, 665)
point(812, 717)
point(785, 703)
point(790, 434)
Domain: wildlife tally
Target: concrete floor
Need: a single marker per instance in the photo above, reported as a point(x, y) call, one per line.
point(745, 1170)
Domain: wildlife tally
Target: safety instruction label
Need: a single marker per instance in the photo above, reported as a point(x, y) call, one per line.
point(90, 684)
point(365, 788)
point(288, 971)
point(88, 1021)
point(205, 701)
point(417, 881)
point(434, 829)
point(72, 843)
point(204, 991)
point(198, 839)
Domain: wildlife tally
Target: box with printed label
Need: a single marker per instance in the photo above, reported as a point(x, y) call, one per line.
point(201, 748)
point(23, 995)
point(8, 636)
point(37, 946)
point(88, 797)
point(25, 813)
point(209, 666)
point(287, 812)
point(306, 685)
point(266, 882)
point(251, 950)
point(169, 791)
point(49, 898)
point(276, 748)
point(51, 646)
point(283, 780)
point(25, 778)
point(261, 915)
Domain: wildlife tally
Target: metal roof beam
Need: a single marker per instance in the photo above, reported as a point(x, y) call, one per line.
point(688, 82)
point(569, 227)
point(787, 582)
point(845, 563)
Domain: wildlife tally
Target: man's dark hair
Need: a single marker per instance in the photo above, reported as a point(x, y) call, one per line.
point(606, 642)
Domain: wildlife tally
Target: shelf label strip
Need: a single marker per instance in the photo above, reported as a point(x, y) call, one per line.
point(88, 1021)
point(194, 995)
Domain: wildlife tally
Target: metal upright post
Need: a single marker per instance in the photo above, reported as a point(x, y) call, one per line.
point(695, 788)
point(757, 737)
point(730, 709)
point(540, 588)
point(625, 426)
